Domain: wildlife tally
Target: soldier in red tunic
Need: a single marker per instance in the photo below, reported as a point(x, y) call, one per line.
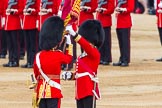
point(3, 44)
point(87, 7)
point(13, 8)
point(104, 11)
point(30, 14)
point(47, 8)
point(90, 38)
point(159, 22)
point(1, 13)
point(47, 65)
point(123, 30)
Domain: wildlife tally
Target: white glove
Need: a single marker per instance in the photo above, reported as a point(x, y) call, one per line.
point(43, 12)
point(120, 10)
point(100, 10)
point(8, 11)
point(159, 11)
point(26, 12)
point(14, 10)
point(59, 13)
point(85, 8)
point(66, 75)
point(68, 39)
point(49, 10)
point(160, 5)
point(30, 9)
point(70, 30)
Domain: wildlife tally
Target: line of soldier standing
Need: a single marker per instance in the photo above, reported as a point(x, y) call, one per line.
point(25, 17)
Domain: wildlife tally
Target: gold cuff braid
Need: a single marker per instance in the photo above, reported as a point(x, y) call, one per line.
point(77, 38)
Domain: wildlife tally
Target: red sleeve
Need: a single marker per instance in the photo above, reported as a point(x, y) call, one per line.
point(1, 7)
point(66, 59)
point(158, 1)
point(110, 6)
point(20, 7)
point(5, 7)
point(36, 7)
point(35, 69)
point(55, 8)
point(93, 6)
point(89, 49)
point(130, 5)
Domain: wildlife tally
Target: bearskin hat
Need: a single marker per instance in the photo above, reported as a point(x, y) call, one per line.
point(51, 33)
point(93, 32)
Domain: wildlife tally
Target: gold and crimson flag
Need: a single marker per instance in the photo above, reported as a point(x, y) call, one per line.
point(71, 11)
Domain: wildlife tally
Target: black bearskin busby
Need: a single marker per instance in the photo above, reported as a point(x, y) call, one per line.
point(51, 33)
point(93, 32)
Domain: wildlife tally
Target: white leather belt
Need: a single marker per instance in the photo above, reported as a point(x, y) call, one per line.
point(93, 78)
point(47, 79)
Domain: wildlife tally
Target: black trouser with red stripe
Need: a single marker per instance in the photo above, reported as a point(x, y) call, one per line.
point(123, 35)
point(160, 34)
point(49, 103)
point(13, 45)
point(3, 42)
point(105, 49)
point(86, 102)
point(22, 43)
point(31, 40)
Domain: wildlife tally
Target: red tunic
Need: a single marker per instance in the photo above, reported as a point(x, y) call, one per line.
point(105, 17)
point(84, 15)
point(124, 19)
point(1, 11)
point(84, 85)
point(159, 15)
point(12, 22)
point(51, 65)
point(29, 21)
point(54, 7)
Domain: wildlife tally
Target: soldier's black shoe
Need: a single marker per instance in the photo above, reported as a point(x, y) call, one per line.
point(2, 56)
point(124, 64)
point(159, 60)
point(105, 63)
point(117, 64)
point(28, 65)
point(9, 64)
point(15, 64)
point(101, 62)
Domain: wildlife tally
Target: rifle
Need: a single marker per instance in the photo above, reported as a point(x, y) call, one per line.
point(121, 2)
point(84, 1)
point(10, 10)
point(45, 3)
point(101, 2)
point(11, 3)
point(29, 3)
